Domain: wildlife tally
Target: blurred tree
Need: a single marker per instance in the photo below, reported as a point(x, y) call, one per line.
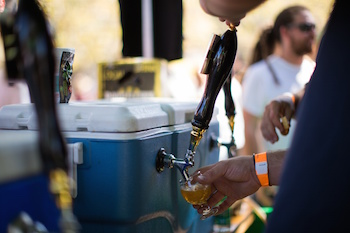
point(93, 28)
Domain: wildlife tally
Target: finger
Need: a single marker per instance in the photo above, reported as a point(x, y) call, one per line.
point(236, 20)
point(269, 133)
point(274, 116)
point(225, 205)
point(201, 171)
point(289, 113)
point(222, 19)
point(267, 128)
point(201, 208)
point(215, 199)
point(209, 175)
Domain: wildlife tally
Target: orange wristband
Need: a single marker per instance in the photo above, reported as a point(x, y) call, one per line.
point(261, 168)
point(292, 96)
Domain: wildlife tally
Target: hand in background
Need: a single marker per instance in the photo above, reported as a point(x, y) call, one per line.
point(280, 107)
point(230, 11)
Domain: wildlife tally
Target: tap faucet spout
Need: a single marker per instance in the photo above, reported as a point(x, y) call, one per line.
point(169, 160)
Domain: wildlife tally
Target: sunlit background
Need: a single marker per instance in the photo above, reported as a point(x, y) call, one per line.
point(93, 28)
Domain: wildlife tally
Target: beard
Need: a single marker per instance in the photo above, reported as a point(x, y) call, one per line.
point(301, 47)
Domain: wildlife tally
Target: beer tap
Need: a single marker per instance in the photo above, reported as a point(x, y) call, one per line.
point(217, 65)
point(29, 54)
point(169, 160)
point(230, 110)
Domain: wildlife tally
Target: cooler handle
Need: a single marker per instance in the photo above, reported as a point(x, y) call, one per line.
point(75, 157)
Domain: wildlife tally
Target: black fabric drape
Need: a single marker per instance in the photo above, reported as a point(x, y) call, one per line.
point(167, 26)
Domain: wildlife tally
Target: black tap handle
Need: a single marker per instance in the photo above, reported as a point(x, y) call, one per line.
point(34, 60)
point(219, 70)
point(230, 107)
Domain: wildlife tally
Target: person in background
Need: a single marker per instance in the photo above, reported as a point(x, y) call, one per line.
point(11, 92)
point(313, 176)
point(279, 64)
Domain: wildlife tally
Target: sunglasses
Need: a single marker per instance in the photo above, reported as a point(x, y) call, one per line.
point(304, 27)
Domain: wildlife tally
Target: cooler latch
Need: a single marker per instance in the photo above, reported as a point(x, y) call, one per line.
point(75, 157)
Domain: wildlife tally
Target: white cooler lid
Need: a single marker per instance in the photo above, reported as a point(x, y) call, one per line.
point(117, 115)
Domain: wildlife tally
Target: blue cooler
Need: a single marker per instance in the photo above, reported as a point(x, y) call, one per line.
point(112, 153)
point(24, 189)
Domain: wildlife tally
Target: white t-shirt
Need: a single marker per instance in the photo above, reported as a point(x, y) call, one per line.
point(259, 88)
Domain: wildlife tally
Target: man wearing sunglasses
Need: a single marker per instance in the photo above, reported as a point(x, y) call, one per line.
point(278, 65)
point(313, 177)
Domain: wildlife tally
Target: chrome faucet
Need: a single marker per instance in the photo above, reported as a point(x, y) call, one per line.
point(169, 160)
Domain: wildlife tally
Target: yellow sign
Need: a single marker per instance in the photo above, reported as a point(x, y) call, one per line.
point(131, 77)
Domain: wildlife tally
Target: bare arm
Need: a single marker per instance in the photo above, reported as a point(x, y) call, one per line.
point(236, 178)
point(251, 131)
point(275, 161)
